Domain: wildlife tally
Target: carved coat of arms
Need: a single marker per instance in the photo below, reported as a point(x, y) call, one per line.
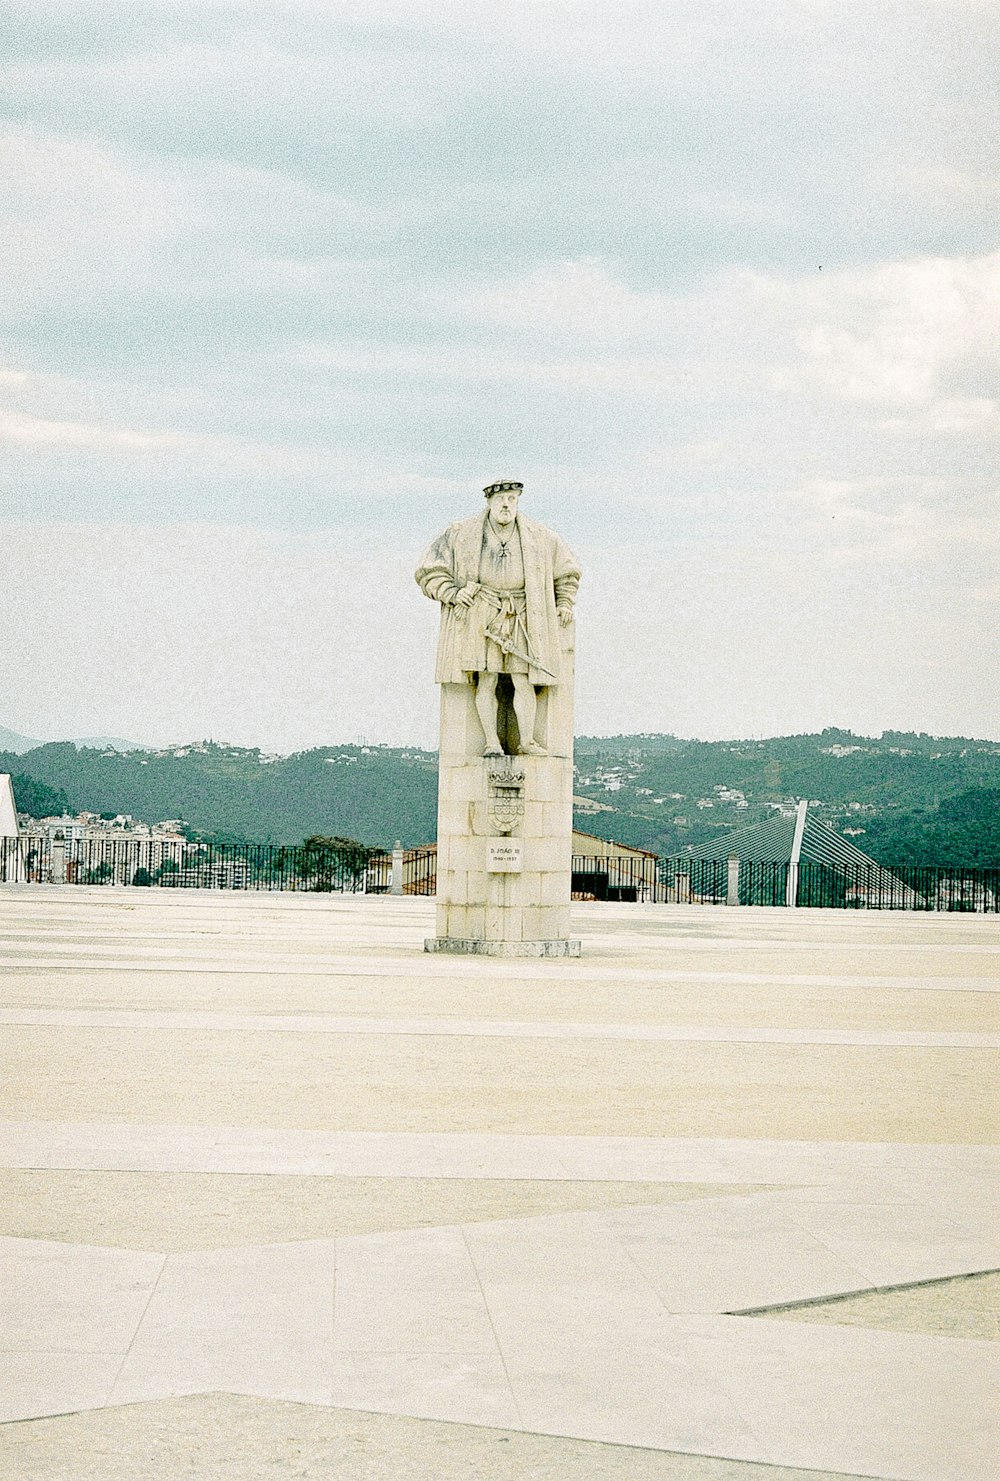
point(505, 798)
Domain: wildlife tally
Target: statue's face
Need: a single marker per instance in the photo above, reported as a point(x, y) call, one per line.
point(503, 506)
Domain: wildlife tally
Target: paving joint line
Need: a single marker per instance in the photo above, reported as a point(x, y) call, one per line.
point(904, 1285)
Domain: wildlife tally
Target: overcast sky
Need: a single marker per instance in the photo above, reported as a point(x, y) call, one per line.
point(285, 282)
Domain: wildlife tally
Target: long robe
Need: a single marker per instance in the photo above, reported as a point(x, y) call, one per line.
point(551, 578)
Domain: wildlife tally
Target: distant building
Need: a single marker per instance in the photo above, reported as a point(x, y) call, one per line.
point(605, 870)
point(105, 850)
point(602, 870)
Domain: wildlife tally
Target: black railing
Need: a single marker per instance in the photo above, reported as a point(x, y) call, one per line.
point(899, 887)
point(861, 887)
point(609, 878)
point(419, 872)
point(151, 862)
point(167, 864)
point(685, 881)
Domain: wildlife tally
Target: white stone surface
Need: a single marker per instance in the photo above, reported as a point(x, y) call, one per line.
point(604, 1326)
point(612, 1325)
point(317, 1023)
point(72, 1298)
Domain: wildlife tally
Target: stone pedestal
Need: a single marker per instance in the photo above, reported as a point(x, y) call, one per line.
point(505, 830)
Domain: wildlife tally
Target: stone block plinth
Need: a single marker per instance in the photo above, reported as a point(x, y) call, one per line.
point(505, 832)
point(474, 946)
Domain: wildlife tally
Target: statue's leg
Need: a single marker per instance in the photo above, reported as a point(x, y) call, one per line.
point(487, 706)
point(525, 707)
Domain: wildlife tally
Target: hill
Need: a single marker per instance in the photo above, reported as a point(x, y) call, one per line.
point(236, 794)
point(884, 793)
point(12, 743)
point(901, 797)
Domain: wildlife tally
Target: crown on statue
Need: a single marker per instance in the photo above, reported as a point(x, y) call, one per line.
point(501, 488)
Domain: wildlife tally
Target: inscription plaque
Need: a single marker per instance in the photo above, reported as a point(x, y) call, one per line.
point(503, 855)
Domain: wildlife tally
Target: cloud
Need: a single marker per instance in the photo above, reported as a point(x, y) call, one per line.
point(78, 224)
point(682, 404)
point(903, 332)
point(665, 138)
point(720, 284)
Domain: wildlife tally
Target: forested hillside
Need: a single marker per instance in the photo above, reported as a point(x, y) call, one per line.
point(901, 797)
point(234, 794)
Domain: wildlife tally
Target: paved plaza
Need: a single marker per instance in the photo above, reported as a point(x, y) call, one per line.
point(282, 1196)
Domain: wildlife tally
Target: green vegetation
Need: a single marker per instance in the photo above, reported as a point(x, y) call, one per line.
point(898, 797)
point(962, 831)
point(323, 862)
point(232, 795)
point(903, 798)
point(35, 797)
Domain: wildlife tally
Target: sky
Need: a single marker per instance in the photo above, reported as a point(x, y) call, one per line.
point(287, 282)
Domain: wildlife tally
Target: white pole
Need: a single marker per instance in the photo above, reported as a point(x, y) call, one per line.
point(733, 880)
point(792, 890)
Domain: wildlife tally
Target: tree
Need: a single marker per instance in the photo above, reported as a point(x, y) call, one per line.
point(332, 862)
point(38, 799)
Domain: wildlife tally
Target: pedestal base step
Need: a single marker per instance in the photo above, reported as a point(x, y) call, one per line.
point(467, 946)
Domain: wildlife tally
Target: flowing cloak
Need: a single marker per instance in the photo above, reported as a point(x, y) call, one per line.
point(551, 578)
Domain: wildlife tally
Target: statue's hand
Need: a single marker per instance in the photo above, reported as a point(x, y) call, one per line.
point(467, 595)
point(565, 616)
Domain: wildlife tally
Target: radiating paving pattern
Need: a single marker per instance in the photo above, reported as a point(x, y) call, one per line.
point(616, 1325)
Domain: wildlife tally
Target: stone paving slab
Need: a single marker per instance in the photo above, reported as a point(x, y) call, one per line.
point(474, 1028)
point(166, 1148)
point(607, 1326)
point(390, 1083)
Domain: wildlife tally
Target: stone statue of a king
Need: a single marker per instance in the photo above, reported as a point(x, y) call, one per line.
point(506, 585)
point(505, 660)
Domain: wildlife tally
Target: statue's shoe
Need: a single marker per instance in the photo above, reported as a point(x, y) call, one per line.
point(493, 751)
point(534, 749)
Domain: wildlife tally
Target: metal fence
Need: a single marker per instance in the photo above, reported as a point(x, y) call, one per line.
point(860, 887)
point(687, 881)
point(418, 873)
point(164, 864)
point(629, 878)
point(149, 862)
point(900, 887)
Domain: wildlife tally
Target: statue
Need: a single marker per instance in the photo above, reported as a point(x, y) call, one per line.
point(506, 584)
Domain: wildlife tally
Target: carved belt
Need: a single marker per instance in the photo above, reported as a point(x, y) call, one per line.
point(507, 629)
point(507, 603)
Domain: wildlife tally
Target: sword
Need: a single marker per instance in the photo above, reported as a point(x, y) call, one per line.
point(508, 646)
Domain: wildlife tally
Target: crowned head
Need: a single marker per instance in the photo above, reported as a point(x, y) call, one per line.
point(502, 499)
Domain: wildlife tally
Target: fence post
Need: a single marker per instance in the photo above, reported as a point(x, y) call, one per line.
point(732, 880)
point(396, 882)
point(59, 859)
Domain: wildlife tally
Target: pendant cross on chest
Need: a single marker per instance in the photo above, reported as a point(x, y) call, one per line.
point(503, 552)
